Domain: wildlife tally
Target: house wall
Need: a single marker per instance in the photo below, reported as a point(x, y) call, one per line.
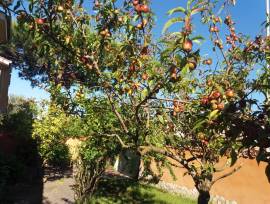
point(5, 74)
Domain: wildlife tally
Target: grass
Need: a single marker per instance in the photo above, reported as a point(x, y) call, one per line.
point(123, 191)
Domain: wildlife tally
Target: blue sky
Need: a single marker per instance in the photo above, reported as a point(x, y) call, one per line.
point(248, 15)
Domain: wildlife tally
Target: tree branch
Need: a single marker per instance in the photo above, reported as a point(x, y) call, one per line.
point(227, 174)
point(118, 137)
point(151, 93)
point(117, 114)
point(145, 149)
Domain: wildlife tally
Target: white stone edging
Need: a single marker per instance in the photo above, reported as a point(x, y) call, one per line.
point(190, 193)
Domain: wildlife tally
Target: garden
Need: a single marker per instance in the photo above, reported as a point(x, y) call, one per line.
point(126, 106)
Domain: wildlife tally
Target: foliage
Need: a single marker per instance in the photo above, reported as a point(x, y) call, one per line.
point(19, 118)
point(18, 152)
point(49, 130)
point(95, 156)
point(161, 97)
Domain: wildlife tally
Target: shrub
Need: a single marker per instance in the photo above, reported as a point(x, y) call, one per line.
point(95, 155)
point(49, 131)
point(16, 145)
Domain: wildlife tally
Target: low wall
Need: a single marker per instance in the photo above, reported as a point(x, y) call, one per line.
point(247, 186)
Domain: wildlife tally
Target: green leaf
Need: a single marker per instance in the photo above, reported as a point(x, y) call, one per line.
point(177, 9)
point(185, 70)
point(189, 3)
point(199, 124)
point(18, 4)
point(213, 115)
point(161, 119)
point(170, 22)
point(197, 39)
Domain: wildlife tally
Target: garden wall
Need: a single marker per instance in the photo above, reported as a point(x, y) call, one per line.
point(247, 186)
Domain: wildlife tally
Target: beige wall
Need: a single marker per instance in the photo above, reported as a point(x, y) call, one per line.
point(247, 186)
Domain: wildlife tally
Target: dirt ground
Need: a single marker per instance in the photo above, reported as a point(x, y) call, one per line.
point(247, 186)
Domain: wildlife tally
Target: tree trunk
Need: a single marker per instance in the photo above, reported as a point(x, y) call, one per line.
point(204, 197)
point(204, 186)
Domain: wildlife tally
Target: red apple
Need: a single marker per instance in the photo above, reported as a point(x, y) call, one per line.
point(187, 45)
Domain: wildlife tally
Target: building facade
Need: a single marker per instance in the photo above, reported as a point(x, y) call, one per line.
point(5, 74)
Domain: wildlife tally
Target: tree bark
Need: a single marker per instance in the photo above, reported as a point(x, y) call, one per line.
point(204, 186)
point(204, 197)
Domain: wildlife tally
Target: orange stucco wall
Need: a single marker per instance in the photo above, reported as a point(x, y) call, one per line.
point(247, 186)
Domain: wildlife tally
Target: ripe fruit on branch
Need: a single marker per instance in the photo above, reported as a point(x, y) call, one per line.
point(214, 29)
point(178, 107)
point(97, 4)
point(144, 22)
point(173, 70)
point(215, 95)
point(208, 61)
point(141, 8)
point(201, 136)
point(145, 8)
point(138, 8)
point(218, 44)
point(40, 21)
point(60, 8)
point(135, 2)
point(132, 67)
point(85, 59)
point(105, 33)
point(217, 20)
point(220, 106)
point(187, 45)
point(214, 106)
point(204, 100)
point(140, 26)
point(145, 76)
point(192, 64)
point(230, 93)
point(174, 76)
point(175, 102)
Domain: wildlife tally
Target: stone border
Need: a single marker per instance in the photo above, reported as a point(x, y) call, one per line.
point(190, 193)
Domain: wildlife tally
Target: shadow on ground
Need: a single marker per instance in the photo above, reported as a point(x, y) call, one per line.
point(121, 190)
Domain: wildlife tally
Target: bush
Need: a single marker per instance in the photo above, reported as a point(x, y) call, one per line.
point(18, 150)
point(49, 130)
point(94, 156)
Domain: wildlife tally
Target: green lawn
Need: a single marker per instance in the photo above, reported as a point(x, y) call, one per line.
point(122, 191)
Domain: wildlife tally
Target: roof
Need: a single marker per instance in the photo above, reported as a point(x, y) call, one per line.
point(5, 61)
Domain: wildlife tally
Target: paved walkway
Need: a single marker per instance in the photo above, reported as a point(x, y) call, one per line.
point(58, 191)
point(57, 187)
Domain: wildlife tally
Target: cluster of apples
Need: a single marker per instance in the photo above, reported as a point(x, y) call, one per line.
point(105, 33)
point(140, 8)
point(178, 107)
point(216, 99)
point(202, 137)
point(232, 38)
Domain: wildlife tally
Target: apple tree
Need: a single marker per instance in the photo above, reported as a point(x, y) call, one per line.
point(169, 98)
